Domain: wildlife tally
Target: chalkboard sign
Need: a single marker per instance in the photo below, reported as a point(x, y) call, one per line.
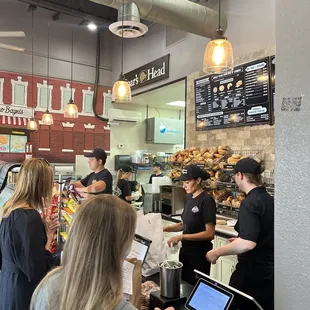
point(238, 98)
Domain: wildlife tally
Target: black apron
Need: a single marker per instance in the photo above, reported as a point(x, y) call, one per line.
point(255, 278)
point(194, 257)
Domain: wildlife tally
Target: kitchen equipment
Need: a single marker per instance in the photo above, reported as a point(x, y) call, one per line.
point(151, 201)
point(170, 279)
point(172, 199)
point(122, 160)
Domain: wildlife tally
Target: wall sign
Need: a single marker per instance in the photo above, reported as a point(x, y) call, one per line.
point(14, 110)
point(152, 72)
point(239, 98)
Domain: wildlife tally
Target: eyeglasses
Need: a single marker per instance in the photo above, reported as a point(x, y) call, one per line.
point(45, 161)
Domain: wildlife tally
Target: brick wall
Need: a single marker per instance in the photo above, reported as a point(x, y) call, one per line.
point(56, 137)
point(242, 138)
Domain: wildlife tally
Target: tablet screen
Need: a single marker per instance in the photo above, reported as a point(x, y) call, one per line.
point(140, 247)
point(209, 296)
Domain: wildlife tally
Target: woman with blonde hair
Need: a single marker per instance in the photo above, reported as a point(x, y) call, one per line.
point(24, 239)
point(90, 276)
point(122, 187)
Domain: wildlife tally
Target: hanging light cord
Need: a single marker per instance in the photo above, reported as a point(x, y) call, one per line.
point(48, 66)
point(72, 64)
point(122, 58)
point(220, 27)
point(32, 16)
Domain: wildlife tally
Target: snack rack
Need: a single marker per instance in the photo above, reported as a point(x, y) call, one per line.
point(67, 205)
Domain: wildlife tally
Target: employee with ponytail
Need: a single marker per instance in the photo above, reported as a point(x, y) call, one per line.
point(122, 187)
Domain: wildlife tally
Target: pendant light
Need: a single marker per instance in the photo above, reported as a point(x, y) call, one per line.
point(47, 118)
point(121, 92)
point(71, 109)
point(32, 124)
point(218, 57)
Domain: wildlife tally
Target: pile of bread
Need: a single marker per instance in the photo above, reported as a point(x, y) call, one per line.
point(175, 173)
point(206, 156)
point(225, 197)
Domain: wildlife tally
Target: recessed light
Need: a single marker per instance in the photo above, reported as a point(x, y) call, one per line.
point(91, 26)
point(177, 103)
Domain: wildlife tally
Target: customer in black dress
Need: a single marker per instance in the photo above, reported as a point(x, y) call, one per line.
point(24, 237)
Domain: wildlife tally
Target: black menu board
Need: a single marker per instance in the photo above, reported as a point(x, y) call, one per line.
point(272, 85)
point(238, 98)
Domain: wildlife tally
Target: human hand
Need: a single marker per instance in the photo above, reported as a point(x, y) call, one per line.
point(230, 240)
point(52, 224)
point(173, 241)
point(170, 308)
point(212, 256)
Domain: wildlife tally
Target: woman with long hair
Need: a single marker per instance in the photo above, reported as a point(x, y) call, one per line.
point(24, 237)
point(122, 187)
point(90, 276)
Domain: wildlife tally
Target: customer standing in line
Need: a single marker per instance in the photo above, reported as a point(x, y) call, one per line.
point(24, 239)
point(100, 180)
point(254, 274)
point(91, 278)
point(198, 224)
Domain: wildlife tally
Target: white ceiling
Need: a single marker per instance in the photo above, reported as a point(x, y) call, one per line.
point(159, 97)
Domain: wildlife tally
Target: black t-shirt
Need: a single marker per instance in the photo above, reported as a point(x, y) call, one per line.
point(103, 175)
point(124, 189)
point(197, 213)
point(154, 176)
point(256, 223)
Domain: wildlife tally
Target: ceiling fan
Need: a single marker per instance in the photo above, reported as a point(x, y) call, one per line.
point(12, 34)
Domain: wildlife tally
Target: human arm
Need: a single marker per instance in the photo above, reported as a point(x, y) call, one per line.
point(174, 228)
point(249, 228)
point(126, 191)
point(77, 184)
point(237, 247)
point(52, 224)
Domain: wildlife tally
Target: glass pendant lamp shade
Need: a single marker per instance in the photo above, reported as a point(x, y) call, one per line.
point(47, 118)
point(32, 124)
point(218, 57)
point(121, 92)
point(71, 110)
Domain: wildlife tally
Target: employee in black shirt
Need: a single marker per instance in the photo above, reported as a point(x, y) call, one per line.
point(156, 168)
point(254, 274)
point(198, 224)
point(122, 187)
point(100, 180)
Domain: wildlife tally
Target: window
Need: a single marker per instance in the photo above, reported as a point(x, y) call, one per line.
point(19, 91)
point(44, 99)
point(1, 90)
point(88, 96)
point(66, 95)
point(107, 103)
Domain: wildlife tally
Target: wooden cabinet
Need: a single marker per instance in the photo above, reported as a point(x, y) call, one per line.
point(225, 265)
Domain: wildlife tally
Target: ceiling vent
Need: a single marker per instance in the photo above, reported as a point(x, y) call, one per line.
point(131, 27)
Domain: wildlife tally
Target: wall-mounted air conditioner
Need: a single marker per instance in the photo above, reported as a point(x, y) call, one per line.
point(117, 116)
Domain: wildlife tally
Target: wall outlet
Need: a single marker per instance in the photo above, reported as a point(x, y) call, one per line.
point(120, 146)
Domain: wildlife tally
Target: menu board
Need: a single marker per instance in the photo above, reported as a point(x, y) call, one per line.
point(272, 84)
point(18, 143)
point(237, 98)
point(4, 143)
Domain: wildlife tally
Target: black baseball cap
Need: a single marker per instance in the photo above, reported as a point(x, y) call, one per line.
point(157, 164)
point(248, 165)
point(126, 168)
point(193, 172)
point(98, 154)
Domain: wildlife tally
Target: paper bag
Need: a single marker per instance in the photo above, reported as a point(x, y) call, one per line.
point(136, 280)
point(150, 226)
